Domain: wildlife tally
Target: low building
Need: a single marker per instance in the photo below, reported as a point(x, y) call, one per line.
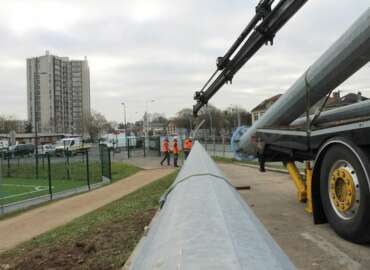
point(42, 138)
point(261, 108)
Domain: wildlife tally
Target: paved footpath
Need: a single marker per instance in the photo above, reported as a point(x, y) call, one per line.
point(23, 227)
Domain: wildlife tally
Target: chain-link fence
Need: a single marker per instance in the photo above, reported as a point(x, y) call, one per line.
point(217, 146)
point(50, 175)
point(137, 147)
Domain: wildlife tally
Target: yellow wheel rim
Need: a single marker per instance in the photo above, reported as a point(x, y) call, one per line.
point(342, 189)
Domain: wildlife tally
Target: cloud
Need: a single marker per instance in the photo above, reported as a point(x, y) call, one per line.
point(164, 50)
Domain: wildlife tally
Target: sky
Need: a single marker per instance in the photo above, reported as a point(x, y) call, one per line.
point(155, 54)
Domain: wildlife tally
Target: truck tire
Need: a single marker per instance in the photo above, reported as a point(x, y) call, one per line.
point(345, 194)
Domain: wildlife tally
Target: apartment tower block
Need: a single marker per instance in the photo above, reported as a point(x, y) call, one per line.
point(58, 94)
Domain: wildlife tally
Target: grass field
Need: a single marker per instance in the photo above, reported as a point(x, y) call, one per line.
point(102, 239)
point(275, 165)
point(23, 185)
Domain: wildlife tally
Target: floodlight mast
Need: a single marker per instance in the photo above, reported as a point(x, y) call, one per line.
point(261, 30)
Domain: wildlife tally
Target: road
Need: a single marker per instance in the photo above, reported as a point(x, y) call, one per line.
point(272, 197)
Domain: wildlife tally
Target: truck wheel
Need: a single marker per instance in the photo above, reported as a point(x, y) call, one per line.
point(345, 193)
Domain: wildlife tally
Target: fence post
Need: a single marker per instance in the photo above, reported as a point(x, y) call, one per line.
point(68, 171)
point(110, 166)
point(88, 169)
point(1, 162)
point(49, 177)
point(223, 146)
point(128, 148)
point(1, 180)
point(8, 173)
point(144, 147)
point(100, 154)
point(214, 145)
point(43, 157)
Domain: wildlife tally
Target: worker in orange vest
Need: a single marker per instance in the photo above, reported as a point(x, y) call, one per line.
point(166, 151)
point(176, 151)
point(188, 144)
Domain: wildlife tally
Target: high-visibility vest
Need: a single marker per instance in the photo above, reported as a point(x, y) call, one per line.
point(175, 148)
point(165, 146)
point(187, 144)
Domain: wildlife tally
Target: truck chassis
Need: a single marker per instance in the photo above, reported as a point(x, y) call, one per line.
point(337, 188)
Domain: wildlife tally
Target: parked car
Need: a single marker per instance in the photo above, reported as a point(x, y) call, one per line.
point(45, 149)
point(20, 150)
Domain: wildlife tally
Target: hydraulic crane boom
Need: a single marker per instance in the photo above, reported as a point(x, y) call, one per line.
point(260, 30)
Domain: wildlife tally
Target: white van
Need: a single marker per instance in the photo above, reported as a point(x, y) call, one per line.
point(4, 145)
point(72, 146)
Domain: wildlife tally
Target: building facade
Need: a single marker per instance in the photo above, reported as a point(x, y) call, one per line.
point(58, 94)
point(261, 108)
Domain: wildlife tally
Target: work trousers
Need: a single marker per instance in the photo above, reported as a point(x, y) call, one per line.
point(175, 158)
point(166, 156)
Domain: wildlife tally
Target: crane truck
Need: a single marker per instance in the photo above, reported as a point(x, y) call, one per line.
point(334, 145)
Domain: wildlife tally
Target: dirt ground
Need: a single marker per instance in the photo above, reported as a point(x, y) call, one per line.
point(111, 239)
point(272, 197)
point(23, 227)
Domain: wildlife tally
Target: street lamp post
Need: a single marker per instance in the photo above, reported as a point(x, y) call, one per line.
point(35, 124)
point(190, 124)
point(147, 116)
point(124, 112)
point(212, 133)
point(211, 122)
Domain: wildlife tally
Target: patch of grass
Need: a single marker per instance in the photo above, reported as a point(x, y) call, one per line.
point(274, 165)
point(123, 170)
point(76, 170)
point(16, 188)
point(102, 239)
point(223, 159)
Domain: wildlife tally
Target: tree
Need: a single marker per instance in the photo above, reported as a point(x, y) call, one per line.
point(232, 115)
point(221, 121)
point(28, 127)
point(159, 119)
point(214, 118)
point(97, 124)
point(184, 118)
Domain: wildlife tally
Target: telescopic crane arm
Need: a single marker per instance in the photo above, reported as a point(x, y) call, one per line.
point(261, 30)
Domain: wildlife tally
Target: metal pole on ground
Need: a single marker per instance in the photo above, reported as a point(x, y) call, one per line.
point(207, 226)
